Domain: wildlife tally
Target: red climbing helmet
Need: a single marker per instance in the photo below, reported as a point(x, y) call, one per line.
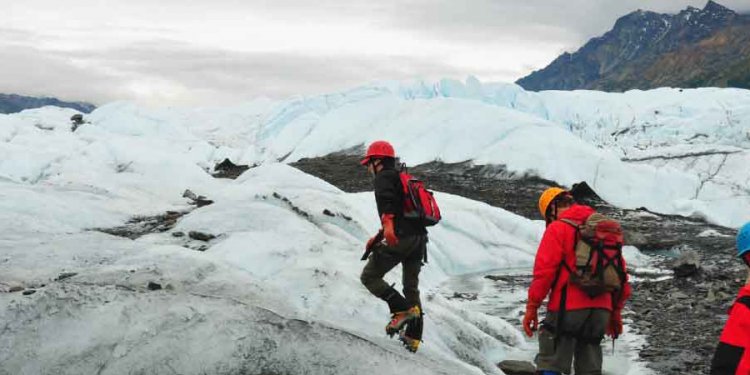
point(378, 149)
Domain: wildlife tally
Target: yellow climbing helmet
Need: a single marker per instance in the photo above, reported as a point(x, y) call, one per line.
point(547, 197)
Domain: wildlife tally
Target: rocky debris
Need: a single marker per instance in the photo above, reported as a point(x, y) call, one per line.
point(178, 234)
point(515, 279)
point(465, 296)
point(291, 205)
point(197, 200)
point(227, 169)
point(142, 225)
point(651, 231)
point(28, 292)
point(124, 167)
point(76, 121)
point(511, 367)
point(6, 287)
point(327, 212)
point(65, 275)
point(492, 184)
point(43, 127)
point(682, 317)
point(200, 236)
point(687, 264)
point(153, 286)
point(681, 332)
point(340, 169)
point(519, 193)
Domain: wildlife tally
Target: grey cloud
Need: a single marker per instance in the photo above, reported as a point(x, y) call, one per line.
point(212, 76)
point(266, 74)
point(570, 21)
point(29, 71)
point(538, 24)
point(110, 74)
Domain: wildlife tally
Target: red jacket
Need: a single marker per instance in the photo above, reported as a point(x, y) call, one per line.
point(733, 353)
point(558, 243)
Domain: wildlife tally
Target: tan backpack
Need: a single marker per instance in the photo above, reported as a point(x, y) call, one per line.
point(599, 263)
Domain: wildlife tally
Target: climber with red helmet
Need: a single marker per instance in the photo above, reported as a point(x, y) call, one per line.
point(399, 241)
point(732, 356)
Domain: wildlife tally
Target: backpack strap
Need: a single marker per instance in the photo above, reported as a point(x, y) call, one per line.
point(571, 223)
point(577, 238)
point(560, 318)
point(744, 300)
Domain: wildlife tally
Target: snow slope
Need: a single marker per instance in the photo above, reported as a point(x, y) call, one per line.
point(277, 291)
point(633, 148)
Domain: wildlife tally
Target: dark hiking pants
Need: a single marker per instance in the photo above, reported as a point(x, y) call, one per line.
point(577, 338)
point(409, 253)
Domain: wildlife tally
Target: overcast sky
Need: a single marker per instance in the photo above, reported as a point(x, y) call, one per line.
point(169, 52)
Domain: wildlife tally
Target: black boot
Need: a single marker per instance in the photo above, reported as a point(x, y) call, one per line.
point(396, 302)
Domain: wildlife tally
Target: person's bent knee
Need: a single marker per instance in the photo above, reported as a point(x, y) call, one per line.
point(365, 279)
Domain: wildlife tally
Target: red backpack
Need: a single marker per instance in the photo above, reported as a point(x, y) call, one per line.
point(419, 203)
point(599, 262)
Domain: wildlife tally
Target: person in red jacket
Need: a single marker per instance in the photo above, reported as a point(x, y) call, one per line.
point(575, 323)
point(732, 356)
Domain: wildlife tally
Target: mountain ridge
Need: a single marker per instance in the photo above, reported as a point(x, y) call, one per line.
point(645, 49)
point(12, 103)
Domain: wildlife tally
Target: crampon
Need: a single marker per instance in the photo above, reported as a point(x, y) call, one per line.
point(409, 343)
point(399, 319)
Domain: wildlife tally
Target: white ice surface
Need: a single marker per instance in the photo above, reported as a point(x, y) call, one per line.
point(566, 137)
point(279, 291)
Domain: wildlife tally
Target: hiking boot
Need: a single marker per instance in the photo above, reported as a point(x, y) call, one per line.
point(410, 344)
point(398, 319)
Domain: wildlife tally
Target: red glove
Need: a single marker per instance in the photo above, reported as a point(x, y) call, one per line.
point(614, 328)
point(530, 319)
point(388, 230)
point(375, 239)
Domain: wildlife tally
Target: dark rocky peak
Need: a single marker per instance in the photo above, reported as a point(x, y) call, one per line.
point(640, 28)
point(693, 24)
point(645, 28)
point(641, 40)
point(638, 18)
point(713, 15)
point(717, 9)
point(687, 14)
